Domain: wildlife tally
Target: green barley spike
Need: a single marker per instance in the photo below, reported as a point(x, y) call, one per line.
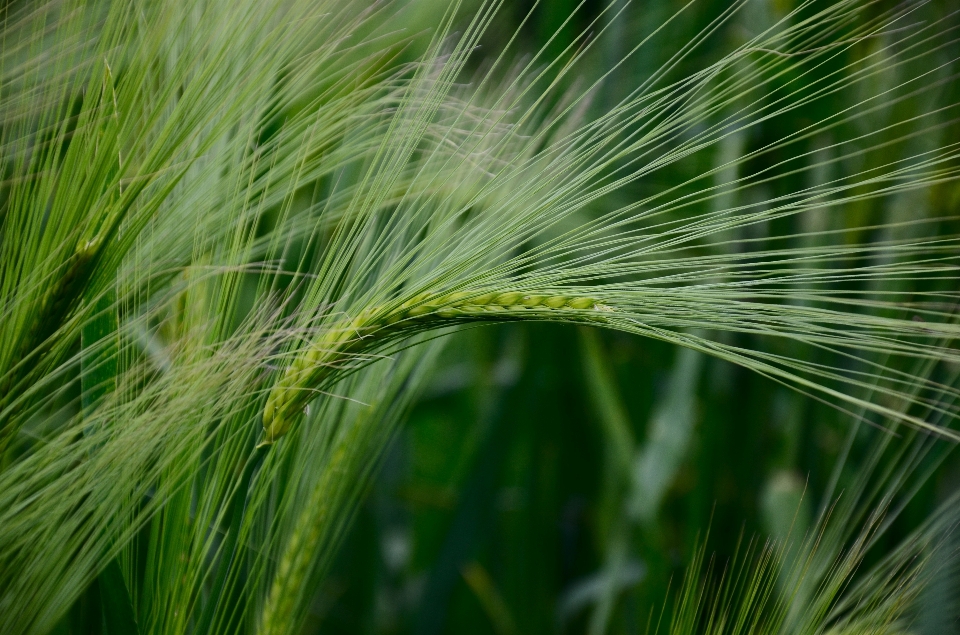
point(293, 390)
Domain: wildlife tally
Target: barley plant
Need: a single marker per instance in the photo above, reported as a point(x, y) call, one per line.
point(236, 236)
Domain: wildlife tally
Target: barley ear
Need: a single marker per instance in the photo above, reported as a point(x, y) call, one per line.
point(375, 327)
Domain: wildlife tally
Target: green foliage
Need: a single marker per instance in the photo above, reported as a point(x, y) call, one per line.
point(232, 234)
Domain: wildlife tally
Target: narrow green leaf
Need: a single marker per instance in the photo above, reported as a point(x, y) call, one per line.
point(603, 390)
point(668, 437)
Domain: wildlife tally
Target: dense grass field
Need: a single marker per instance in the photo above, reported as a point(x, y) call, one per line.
point(424, 317)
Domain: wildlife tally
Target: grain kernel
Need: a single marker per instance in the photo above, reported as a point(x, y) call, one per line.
point(581, 303)
point(506, 299)
point(423, 309)
point(555, 301)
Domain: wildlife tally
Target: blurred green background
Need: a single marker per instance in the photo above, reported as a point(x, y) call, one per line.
point(557, 480)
